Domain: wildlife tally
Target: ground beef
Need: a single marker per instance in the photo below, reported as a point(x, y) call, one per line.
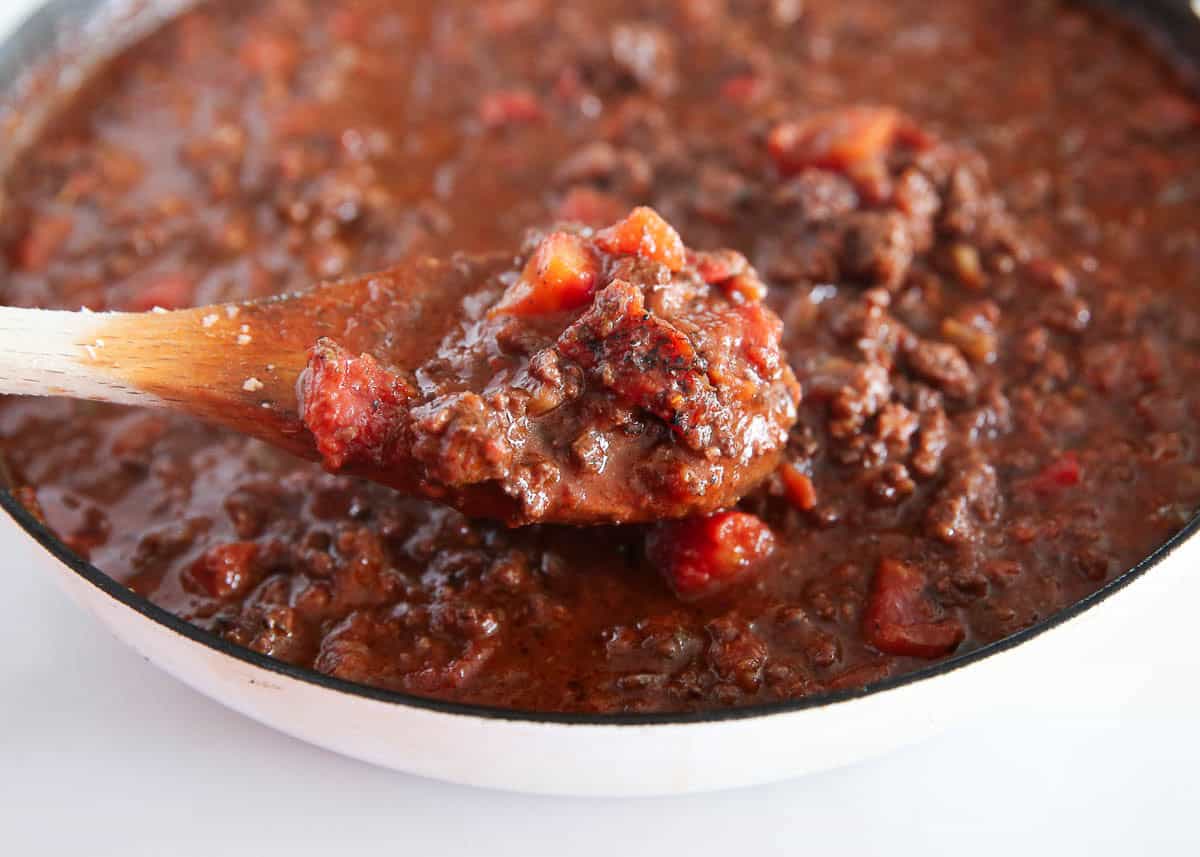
point(587, 335)
point(989, 302)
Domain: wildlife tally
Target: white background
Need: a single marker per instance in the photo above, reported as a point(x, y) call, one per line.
point(101, 754)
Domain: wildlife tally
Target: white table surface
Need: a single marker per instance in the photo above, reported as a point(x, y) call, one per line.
point(101, 754)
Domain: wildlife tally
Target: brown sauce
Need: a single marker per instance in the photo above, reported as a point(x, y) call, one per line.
point(987, 287)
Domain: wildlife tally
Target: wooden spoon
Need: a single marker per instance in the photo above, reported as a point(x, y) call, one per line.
point(235, 365)
point(243, 365)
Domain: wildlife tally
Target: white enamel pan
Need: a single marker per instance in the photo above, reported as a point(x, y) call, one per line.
point(578, 754)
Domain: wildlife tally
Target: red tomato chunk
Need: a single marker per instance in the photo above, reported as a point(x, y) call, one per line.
point(560, 275)
point(719, 266)
point(1063, 473)
point(349, 404)
point(589, 206)
point(644, 233)
point(698, 556)
point(901, 620)
point(836, 139)
point(798, 487)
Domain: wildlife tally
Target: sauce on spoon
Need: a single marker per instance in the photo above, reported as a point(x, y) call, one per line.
point(600, 376)
point(605, 377)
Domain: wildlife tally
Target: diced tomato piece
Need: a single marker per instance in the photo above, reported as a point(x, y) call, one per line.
point(760, 332)
point(717, 266)
point(701, 555)
point(644, 233)
point(583, 204)
point(1065, 472)
point(171, 291)
point(352, 405)
point(224, 570)
point(560, 275)
point(798, 487)
point(901, 620)
point(509, 107)
point(841, 139)
point(729, 270)
point(46, 235)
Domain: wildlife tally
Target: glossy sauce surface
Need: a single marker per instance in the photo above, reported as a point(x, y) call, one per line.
point(993, 318)
point(609, 376)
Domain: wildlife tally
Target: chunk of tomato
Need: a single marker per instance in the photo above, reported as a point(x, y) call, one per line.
point(644, 233)
point(699, 556)
point(560, 275)
point(798, 487)
point(842, 139)
point(901, 620)
point(1065, 472)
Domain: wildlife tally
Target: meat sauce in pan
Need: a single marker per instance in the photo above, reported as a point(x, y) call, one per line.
point(976, 220)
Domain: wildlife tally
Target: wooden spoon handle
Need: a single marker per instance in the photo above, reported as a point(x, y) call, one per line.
point(56, 353)
point(232, 365)
point(237, 365)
